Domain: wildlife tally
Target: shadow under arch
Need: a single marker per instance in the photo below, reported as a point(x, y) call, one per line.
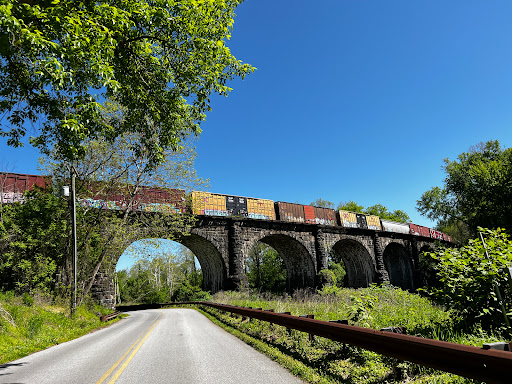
point(210, 259)
point(359, 265)
point(399, 266)
point(297, 259)
point(426, 265)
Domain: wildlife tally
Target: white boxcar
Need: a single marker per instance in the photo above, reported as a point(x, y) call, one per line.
point(394, 226)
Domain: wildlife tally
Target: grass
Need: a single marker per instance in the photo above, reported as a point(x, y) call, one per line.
point(327, 361)
point(28, 325)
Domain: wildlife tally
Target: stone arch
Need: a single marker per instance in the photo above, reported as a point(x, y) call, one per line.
point(399, 266)
point(211, 261)
point(299, 263)
point(358, 261)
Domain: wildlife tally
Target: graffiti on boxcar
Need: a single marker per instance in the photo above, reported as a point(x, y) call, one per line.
point(322, 221)
point(122, 205)
point(12, 197)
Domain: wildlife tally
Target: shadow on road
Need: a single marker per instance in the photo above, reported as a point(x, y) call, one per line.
point(8, 365)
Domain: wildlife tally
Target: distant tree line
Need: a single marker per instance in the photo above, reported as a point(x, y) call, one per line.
point(161, 279)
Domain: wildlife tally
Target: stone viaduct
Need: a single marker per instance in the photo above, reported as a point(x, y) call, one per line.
point(222, 245)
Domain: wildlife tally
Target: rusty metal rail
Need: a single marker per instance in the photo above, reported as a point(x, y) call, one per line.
point(490, 366)
point(110, 316)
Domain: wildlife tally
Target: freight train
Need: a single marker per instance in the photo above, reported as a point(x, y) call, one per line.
point(213, 204)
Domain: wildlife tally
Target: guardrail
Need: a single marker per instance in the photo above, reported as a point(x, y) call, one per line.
point(491, 366)
point(110, 316)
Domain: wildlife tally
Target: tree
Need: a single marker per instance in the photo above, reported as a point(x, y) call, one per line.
point(377, 210)
point(384, 213)
point(322, 203)
point(33, 239)
point(158, 280)
point(159, 60)
point(351, 206)
point(265, 269)
point(113, 169)
point(477, 191)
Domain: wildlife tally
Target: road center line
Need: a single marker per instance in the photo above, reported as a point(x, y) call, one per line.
point(111, 369)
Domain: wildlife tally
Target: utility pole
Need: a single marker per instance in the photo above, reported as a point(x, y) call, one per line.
point(73, 219)
point(66, 192)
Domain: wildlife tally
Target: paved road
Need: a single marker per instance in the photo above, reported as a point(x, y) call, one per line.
point(153, 346)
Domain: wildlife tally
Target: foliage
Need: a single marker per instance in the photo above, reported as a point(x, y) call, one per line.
point(339, 272)
point(33, 242)
point(477, 191)
point(115, 171)
point(161, 279)
point(377, 210)
point(333, 277)
point(384, 213)
point(351, 206)
point(361, 307)
point(27, 329)
point(159, 60)
point(391, 307)
point(322, 203)
point(326, 278)
point(265, 269)
point(188, 292)
point(468, 278)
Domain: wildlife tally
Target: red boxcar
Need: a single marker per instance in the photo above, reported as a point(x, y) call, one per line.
point(419, 230)
point(19, 183)
point(436, 234)
point(325, 216)
point(290, 212)
point(299, 213)
point(152, 199)
point(12, 185)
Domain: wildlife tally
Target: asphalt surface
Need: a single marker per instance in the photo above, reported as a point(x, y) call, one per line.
point(152, 346)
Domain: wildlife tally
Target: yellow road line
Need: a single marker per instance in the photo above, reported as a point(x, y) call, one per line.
point(111, 369)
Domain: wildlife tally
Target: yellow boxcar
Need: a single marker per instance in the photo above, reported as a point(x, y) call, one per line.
point(348, 219)
point(211, 204)
point(261, 209)
point(373, 222)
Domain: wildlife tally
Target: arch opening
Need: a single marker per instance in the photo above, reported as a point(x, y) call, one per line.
point(210, 260)
point(399, 266)
point(300, 267)
point(359, 265)
point(265, 269)
point(337, 266)
point(151, 270)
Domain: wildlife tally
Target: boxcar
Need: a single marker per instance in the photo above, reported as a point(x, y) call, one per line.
point(419, 230)
point(215, 204)
point(12, 185)
point(394, 226)
point(436, 234)
point(290, 212)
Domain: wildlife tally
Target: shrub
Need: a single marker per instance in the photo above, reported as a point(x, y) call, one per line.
point(469, 279)
point(189, 292)
point(27, 300)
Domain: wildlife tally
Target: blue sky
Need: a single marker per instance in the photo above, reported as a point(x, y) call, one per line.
point(358, 100)
point(353, 99)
